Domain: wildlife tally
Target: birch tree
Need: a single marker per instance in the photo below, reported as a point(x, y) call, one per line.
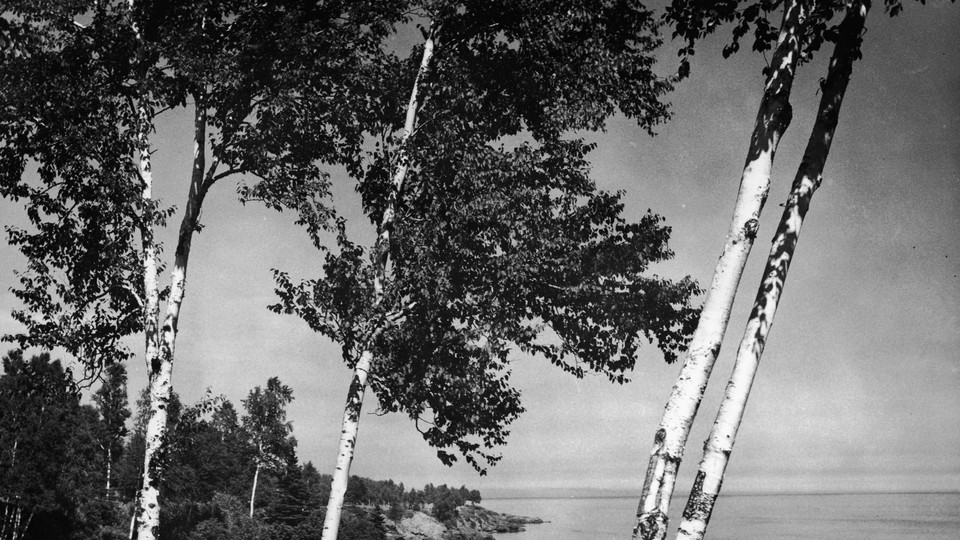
point(773, 118)
point(719, 444)
point(266, 423)
point(111, 401)
point(814, 31)
point(481, 248)
point(271, 89)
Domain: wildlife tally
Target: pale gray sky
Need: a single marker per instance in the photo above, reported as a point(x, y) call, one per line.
point(860, 384)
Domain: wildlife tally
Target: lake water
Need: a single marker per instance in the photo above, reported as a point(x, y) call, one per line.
point(850, 517)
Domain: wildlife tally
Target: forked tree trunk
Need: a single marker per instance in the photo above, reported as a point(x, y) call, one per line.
point(772, 120)
point(719, 445)
point(358, 386)
point(148, 520)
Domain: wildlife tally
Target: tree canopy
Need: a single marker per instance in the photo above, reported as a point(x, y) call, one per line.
point(49, 462)
point(278, 91)
point(501, 243)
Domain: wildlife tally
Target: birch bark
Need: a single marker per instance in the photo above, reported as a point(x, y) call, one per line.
point(772, 120)
point(151, 307)
point(253, 492)
point(381, 249)
point(161, 367)
point(719, 445)
point(109, 466)
point(151, 304)
point(27, 524)
point(16, 523)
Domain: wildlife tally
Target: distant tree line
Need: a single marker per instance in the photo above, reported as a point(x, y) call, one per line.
point(71, 470)
point(440, 501)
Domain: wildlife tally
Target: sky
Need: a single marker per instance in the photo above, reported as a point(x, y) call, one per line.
point(859, 387)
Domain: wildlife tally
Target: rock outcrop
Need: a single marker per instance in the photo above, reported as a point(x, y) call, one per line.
point(420, 526)
point(472, 523)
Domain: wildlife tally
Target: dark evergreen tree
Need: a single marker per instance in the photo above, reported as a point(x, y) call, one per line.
point(49, 458)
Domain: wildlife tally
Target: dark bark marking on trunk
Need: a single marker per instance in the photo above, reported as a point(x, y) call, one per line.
point(699, 505)
point(661, 435)
point(652, 527)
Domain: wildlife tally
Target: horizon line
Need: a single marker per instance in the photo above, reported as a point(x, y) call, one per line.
point(739, 494)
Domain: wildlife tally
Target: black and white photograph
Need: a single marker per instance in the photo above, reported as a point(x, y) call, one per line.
point(479, 270)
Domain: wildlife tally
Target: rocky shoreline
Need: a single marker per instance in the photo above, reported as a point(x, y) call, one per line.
point(472, 523)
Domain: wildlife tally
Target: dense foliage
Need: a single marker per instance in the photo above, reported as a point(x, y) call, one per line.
point(277, 91)
point(53, 466)
point(499, 241)
point(50, 463)
point(693, 20)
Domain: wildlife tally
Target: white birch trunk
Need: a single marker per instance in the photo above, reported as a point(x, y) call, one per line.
point(133, 522)
point(109, 466)
point(719, 445)
point(253, 492)
point(348, 440)
point(151, 304)
point(773, 118)
point(351, 413)
point(26, 525)
point(16, 523)
point(148, 521)
point(151, 301)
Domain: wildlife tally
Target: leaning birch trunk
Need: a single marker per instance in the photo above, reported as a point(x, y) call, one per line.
point(253, 492)
point(358, 386)
point(148, 520)
point(719, 445)
point(772, 120)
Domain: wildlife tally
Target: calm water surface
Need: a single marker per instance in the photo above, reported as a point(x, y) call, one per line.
point(886, 516)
